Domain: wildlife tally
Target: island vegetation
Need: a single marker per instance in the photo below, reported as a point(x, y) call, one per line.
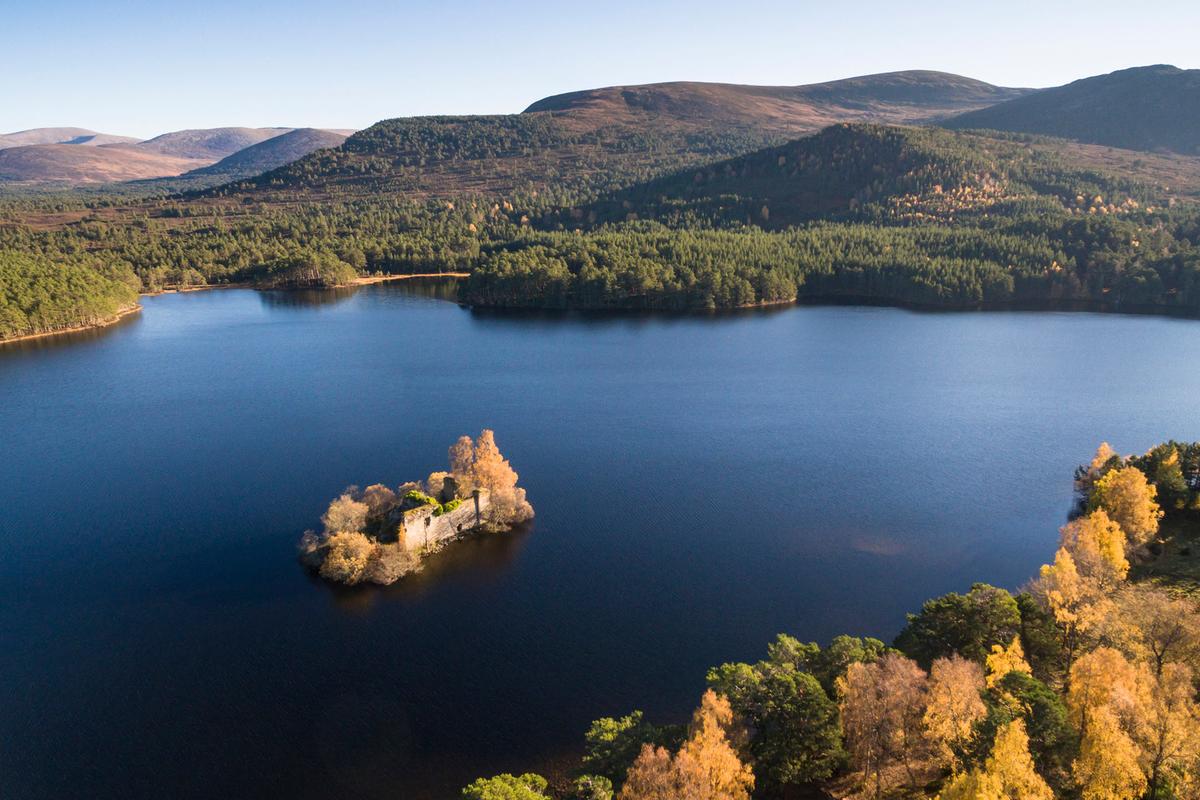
point(1082, 685)
point(379, 535)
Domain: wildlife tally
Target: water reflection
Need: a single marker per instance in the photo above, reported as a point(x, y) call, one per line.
point(306, 298)
point(473, 563)
point(702, 482)
point(430, 288)
point(73, 338)
point(629, 318)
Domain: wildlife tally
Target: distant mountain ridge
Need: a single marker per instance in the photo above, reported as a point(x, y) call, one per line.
point(600, 139)
point(894, 97)
point(78, 156)
point(1154, 108)
point(74, 136)
point(273, 152)
point(209, 143)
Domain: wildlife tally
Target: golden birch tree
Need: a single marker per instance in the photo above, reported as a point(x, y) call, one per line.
point(953, 704)
point(1130, 501)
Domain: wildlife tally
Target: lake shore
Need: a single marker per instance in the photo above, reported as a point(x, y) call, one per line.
point(90, 326)
point(366, 280)
point(369, 279)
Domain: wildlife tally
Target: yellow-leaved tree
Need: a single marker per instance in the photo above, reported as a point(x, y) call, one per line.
point(1078, 605)
point(1130, 501)
point(1111, 702)
point(705, 768)
point(479, 465)
point(1003, 660)
point(1169, 730)
point(953, 704)
point(1107, 767)
point(1085, 479)
point(1008, 773)
point(1097, 544)
point(1101, 678)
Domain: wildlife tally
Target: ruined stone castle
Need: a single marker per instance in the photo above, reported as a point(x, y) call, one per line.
point(421, 527)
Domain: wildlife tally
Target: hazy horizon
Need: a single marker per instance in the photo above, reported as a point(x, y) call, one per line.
point(144, 68)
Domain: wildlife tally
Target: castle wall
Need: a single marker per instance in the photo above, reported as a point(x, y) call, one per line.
point(420, 528)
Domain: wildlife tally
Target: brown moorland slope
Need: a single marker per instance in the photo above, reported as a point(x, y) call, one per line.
point(1143, 108)
point(71, 164)
point(907, 97)
point(211, 144)
point(597, 140)
point(75, 136)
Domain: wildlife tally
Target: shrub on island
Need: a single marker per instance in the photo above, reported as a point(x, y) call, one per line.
point(366, 538)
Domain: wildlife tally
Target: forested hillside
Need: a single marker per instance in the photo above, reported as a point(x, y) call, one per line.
point(874, 213)
point(860, 212)
point(497, 155)
point(585, 143)
point(39, 295)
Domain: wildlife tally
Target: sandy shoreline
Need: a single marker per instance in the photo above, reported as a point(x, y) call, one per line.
point(369, 279)
point(104, 323)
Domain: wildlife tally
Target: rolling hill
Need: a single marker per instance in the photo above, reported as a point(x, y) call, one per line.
point(74, 165)
point(921, 172)
point(895, 97)
point(594, 141)
point(211, 144)
point(76, 136)
point(271, 153)
point(58, 156)
point(1155, 108)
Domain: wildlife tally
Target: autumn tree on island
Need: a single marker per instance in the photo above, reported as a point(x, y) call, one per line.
point(364, 537)
point(479, 465)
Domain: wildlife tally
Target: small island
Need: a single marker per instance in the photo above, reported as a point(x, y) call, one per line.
point(379, 535)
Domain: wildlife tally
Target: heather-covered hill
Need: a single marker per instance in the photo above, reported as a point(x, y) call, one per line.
point(1154, 108)
point(71, 164)
point(76, 136)
point(272, 153)
point(211, 144)
point(897, 97)
point(590, 142)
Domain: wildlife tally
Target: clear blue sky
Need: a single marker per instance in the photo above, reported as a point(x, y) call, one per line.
point(141, 68)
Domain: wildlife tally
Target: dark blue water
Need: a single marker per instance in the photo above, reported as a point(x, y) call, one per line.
point(701, 483)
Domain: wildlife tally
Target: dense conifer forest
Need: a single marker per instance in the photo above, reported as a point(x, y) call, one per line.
point(886, 214)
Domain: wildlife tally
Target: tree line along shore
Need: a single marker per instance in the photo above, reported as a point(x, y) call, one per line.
point(883, 214)
point(1084, 684)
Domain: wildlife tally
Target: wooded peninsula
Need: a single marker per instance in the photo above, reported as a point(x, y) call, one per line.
point(1081, 685)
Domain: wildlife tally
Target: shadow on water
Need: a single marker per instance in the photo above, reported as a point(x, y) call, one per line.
point(72, 338)
point(430, 288)
point(601, 318)
point(472, 562)
point(306, 298)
